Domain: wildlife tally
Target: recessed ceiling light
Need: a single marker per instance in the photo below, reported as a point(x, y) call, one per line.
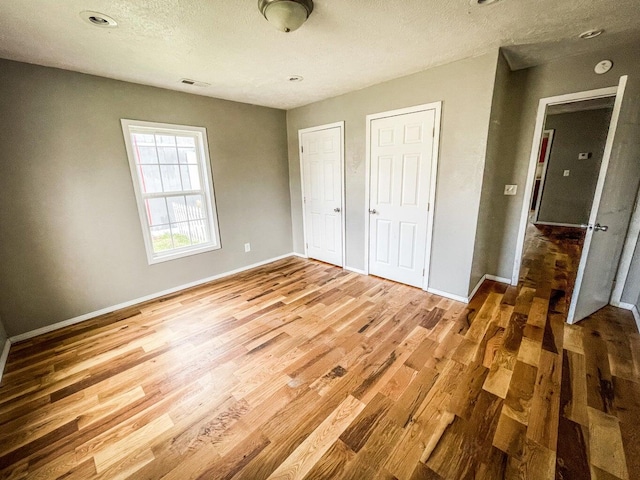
point(98, 19)
point(591, 34)
point(296, 78)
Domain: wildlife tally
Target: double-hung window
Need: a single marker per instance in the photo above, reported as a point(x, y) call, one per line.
point(172, 179)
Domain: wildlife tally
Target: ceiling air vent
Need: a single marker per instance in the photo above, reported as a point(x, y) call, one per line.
point(194, 83)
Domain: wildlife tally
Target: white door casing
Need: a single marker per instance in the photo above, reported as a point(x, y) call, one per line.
point(401, 170)
point(321, 166)
point(600, 253)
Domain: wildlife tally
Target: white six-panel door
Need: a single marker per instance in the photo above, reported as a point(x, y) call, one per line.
point(401, 153)
point(321, 154)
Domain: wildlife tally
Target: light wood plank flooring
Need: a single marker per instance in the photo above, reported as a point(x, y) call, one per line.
point(301, 370)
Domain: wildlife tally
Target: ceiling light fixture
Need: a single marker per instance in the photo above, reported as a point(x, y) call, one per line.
point(98, 19)
point(483, 2)
point(296, 78)
point(591, 34)
point(286, 15)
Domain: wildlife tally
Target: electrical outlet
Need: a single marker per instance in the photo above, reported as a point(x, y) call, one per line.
point(247, 247)
point(510, 189)
point(566, 173)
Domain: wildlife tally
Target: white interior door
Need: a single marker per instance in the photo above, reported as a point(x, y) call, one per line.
point(400, 177)
point(608, 223)
point(321, 154)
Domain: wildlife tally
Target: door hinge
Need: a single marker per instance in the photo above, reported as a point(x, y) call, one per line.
point(423, 272)
point(302, 149)
point(428, 207)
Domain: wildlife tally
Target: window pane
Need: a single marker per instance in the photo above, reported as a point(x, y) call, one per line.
point(161, 238)
point(143, 139)
point(166, 140)
point(177, 209)
point(199, 232)
point(157, 211)
point(167, 155)
point(193, 175)
point(195, 207)
point(150, 181)
point(171, 178)
point(181, 235)
point(186, 141)
point(147, 155)
point(187, 155)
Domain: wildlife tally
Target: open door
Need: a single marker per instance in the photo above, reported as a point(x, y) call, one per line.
point(607, 227)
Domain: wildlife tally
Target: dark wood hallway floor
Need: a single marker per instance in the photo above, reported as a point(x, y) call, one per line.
point(302, 370)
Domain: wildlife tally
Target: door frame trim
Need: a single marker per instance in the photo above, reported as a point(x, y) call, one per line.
point(343, 223)
point(533, 159)
point(437, 107)
point(545, 167)
point(616, 91)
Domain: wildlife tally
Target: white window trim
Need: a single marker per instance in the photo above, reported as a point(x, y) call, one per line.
point(207, 178)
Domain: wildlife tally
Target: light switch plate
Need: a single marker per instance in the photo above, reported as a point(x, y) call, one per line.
point(566, 173)
point(510, 189)
point(584, 156)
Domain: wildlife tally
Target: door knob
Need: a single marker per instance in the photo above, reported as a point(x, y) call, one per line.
point(602, 228)
point(373, 212)
point(337, 209)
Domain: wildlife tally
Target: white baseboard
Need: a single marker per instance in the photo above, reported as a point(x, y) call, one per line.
point(4, 356)
point(355, 270)
point(452, 296)
point(632, 307)
point(475, 289)
point(113, 308)
point(300, 255)
point(498, 279)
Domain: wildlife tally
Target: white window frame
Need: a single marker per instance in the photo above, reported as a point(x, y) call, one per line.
point(206, 175)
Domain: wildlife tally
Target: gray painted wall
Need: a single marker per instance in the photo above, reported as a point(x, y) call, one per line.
point(71, 236)
point(504, 121)
point(568, 75)
point(466, 89)
point(569, 199)
point(631, 292)
point(3, 338)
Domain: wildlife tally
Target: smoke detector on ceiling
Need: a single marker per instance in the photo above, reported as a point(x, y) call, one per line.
point(603, 67)
point(98, 19)
point(194, 83)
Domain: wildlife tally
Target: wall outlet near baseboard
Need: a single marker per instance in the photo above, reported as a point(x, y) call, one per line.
point(247, 247)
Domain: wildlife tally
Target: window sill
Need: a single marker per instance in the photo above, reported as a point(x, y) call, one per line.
point(181, 254)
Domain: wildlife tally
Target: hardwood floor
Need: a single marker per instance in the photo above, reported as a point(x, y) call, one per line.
point(302, 370)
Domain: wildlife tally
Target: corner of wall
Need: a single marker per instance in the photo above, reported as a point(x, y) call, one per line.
point(483, 257)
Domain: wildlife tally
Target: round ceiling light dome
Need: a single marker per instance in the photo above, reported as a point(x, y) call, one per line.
point(483, 2)
point(286, 15)
point(98, 19)
point(296, 78)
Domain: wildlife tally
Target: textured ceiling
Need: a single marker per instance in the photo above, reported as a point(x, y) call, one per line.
point(344, 46)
